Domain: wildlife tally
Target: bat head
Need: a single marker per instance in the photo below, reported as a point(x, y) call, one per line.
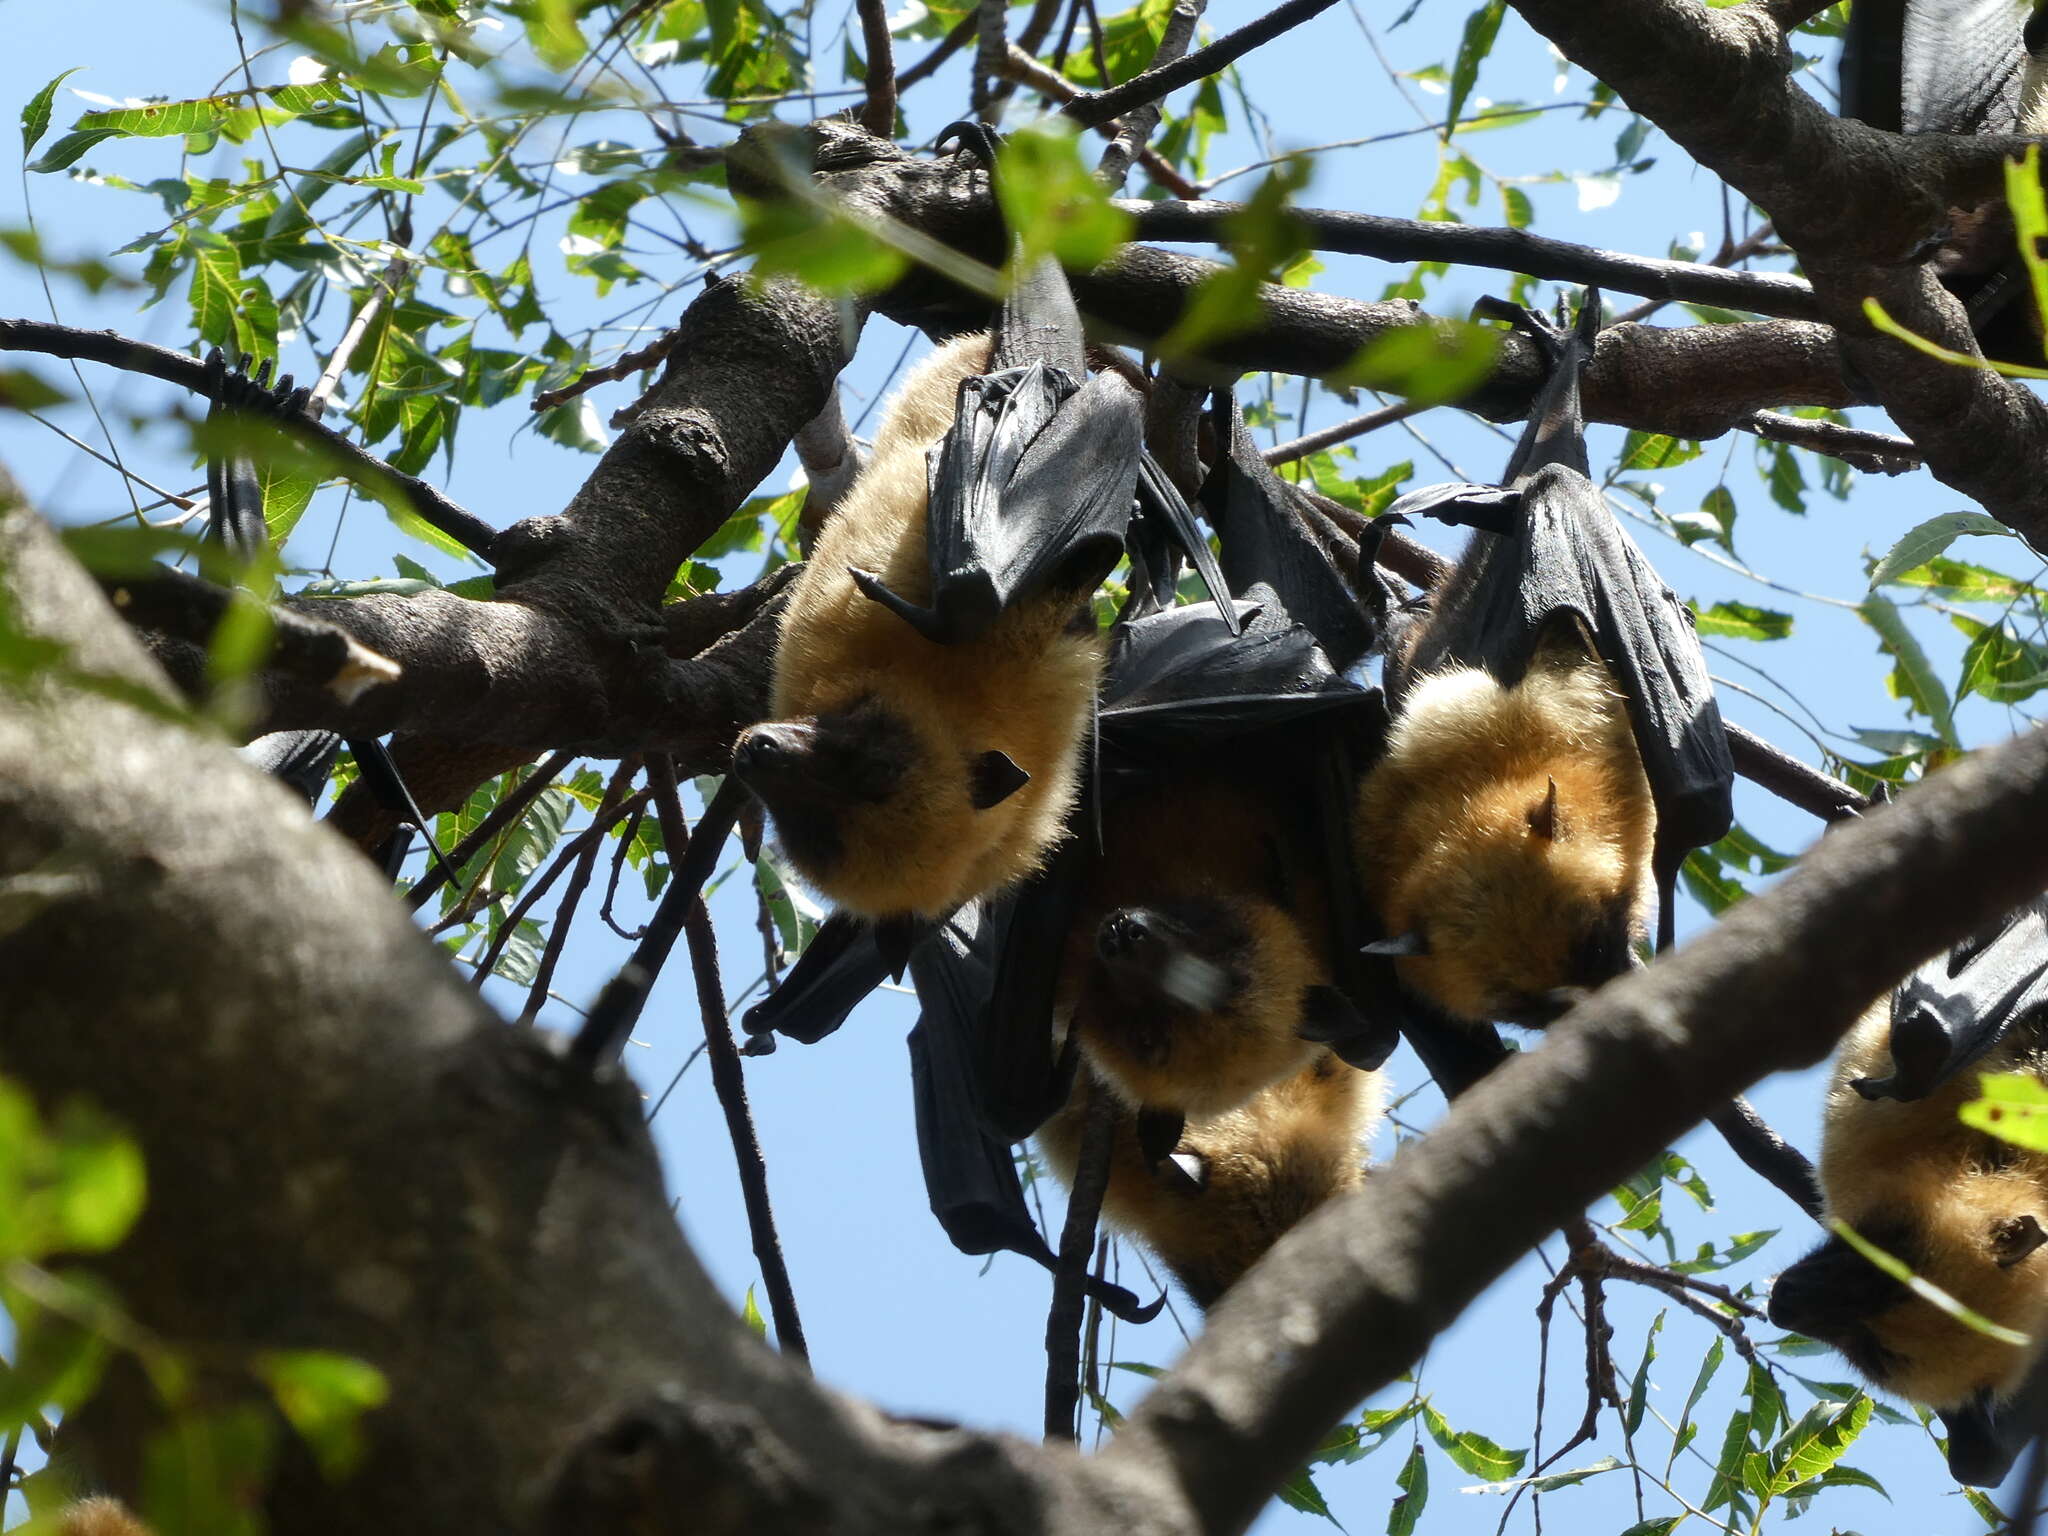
point(1525, 904)
point(878, 804)
point(1196, 1002)
point(1979, 1237)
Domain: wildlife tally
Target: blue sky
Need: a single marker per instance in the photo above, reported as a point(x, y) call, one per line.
point(892, 1312)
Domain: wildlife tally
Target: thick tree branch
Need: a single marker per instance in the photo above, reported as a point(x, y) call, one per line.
point(1856, 203)
point(1101, 106)
point(1510, 250)
point(878, 109)
point(1351, 1297)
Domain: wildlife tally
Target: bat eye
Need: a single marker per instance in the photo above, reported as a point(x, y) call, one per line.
point(2015, 1238)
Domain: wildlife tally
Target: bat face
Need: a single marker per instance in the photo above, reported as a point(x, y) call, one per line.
point(1507, 835)
point(1193, 1003)
point(877, 804)
point(1979, 1239)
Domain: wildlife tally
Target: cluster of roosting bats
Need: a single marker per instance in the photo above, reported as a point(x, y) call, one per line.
point(1195, 874)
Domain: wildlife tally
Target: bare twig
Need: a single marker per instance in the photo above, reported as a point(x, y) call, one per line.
point(1511, 250)
point(348, 458)
point(611, 889)
point(878, 110)
point(577, 852)
point(1792, 780)
point(382, 288)
point(627, 363)
point(1101, 106)
point(510, 807)
point(1328, 437)
point(1077, 1242)
point(608, 812)
point(991, 42)
point(930, 64)
point(1141, 122)
point(728, 1077)
point(1025, 70)
point(1876, 453)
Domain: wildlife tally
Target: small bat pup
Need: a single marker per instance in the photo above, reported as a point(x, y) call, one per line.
point(906, 775)
point(1241, 1179)
point(1198, 969)
point(1555, 747)
point(1963, 1209)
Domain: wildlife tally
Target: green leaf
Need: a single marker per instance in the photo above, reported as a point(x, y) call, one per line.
point(325, 1397)
point(1663, 1525)
point(1999, 665)
point(1741, 621)
point(1053, 202)
point(66, 150)
point(750, 1314)
point(1481, 28)
point(57, 1359)
point(817, 245)
point(204, 1472)
point(1639, 1385)
point(1748, 1427)
point(1913, 679)
point(1300, 1492)
point(2012, 1106)
point(216, 288)
point(1656, 450)
point(1263, 238)
point(1472, 1452)
point(1429, 364)
point(1413, 1481)
point(1922, 543)
point(35, 117)
point(1709, 1366)
point(1815, 1443)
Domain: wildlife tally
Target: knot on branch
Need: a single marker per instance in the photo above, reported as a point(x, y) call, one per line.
point(690, 434)
point(527, 545)
point(671, 1464)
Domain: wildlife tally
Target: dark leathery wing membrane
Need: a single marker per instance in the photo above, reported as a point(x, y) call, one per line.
point(1556, 550)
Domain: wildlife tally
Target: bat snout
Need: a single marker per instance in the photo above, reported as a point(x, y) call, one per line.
point(768, 754)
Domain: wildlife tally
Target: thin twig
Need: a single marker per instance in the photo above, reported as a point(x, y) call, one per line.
point(577, 851)
point(878, 111)
point(347, 457)
point(1077, 1242)
point(383, 287)
point(1327, 437)
point(728, 1077)
point(511, 805)
point(627, 362)
point(1732, 253)
point(1875, 453)
point(1026, 70)
point(1101, 106)
point(1791, 780)
point(608, 813)
point(1141, 122)
point(929, 65)
point(627, 833)
point(991, 42)
point(1385, 238)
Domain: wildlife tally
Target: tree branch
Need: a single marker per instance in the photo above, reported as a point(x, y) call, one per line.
point(347, 457)
point(878, 109)
point(1134, 134)
point(1101, 106)
point(1875, 453)
point(1077, 1243)
point(1351, 1297)
point(1025, 70)
point(1510, 250)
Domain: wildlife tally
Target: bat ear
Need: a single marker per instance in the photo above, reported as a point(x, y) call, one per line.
point(1159, 1132)
point(993, 779)
point(1543, 815)
point(1401, 946)
point(2015, 1238)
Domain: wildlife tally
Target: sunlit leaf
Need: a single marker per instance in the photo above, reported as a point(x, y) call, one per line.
point(1925, 541)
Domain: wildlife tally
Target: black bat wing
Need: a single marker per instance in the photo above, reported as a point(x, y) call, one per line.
point(1953, 1010)
point(1960, 65)
point(842, 964)
point(1551, 548)
point(302, 760)
point(1032, 489)
point(1023, 1081)
point(1265, 538)
point(970, 1174)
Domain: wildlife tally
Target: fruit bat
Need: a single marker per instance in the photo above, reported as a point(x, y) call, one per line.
point(1966, 1210)
point(1555, 742)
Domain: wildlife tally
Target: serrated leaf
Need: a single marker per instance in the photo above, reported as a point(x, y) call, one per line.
point(1413, 1481)
point(1925, 541)
point(1481, 28)
point(1657, 450)
point(1472, 1452)
point(1742, 621)
point(35, 117)
point(1914, 678)
point(1819, 1440)
point(1300, 1492)
point(67, 150)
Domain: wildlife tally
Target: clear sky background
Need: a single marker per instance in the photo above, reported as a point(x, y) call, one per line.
point(892, 1312)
